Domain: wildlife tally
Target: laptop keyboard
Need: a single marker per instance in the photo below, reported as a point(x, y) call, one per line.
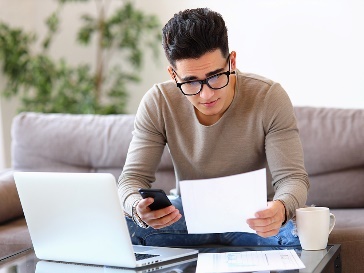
point(142, 256)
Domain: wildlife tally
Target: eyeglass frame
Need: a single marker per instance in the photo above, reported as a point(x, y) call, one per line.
point(205, 81)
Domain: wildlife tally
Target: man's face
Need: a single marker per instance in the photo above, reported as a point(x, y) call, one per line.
point(209, 104)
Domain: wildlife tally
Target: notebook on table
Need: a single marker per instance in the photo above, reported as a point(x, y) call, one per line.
point(78, 218)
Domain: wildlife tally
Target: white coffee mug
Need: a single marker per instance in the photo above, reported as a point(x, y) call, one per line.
point(314, 224)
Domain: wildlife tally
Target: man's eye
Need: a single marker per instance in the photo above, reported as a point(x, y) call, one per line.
point(214, 78)
point(193, 84)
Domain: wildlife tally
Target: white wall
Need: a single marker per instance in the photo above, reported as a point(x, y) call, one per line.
point(314, 48)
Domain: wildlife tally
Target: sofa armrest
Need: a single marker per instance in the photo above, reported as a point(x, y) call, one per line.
point(10, 206)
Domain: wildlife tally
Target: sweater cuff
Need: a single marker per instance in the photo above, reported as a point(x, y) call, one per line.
point(129, 202)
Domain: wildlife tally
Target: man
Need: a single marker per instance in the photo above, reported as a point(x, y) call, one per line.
point(216, 121)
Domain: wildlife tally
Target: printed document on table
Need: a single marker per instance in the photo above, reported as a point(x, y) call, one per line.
point(223, 204)
point(248, 261)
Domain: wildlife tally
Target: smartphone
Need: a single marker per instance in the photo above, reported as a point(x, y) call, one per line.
point(160, 198)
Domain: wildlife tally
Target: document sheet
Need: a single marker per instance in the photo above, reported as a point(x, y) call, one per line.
point(223, 204)
point(248, 261)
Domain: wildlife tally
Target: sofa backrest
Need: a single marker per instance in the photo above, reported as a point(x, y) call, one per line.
point(333, 145)
point(332, 140)
point(78, 143)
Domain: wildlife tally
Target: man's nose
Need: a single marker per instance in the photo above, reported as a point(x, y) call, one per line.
point(206, 92)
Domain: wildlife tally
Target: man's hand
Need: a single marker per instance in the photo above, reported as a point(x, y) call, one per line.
point(268, 222)
point(157, 218)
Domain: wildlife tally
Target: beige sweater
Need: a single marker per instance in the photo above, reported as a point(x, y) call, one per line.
point(258, 130)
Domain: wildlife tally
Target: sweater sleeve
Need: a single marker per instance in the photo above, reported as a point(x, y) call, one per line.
point(145, 152)
point(284, 151)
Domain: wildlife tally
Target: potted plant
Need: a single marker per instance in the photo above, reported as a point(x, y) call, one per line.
point(45, 84)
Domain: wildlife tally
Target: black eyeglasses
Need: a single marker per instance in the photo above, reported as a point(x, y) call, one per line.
point(215, 82)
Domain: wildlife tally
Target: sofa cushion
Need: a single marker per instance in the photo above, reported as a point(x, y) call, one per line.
point(10, 206)
point(64, 142)
point(15, 233)
point(78, 143)
point(349, 232)
point(333, 145)
point(332, 139)
point(342, 189)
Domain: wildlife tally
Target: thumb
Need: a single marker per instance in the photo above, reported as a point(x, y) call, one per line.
point(144, 203)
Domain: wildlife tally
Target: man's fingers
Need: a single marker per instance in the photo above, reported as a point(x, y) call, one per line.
point(263, 222)
point(157, 218)
point(166, 220)
point(175, 219)
point(265, 227)
point(268, 229)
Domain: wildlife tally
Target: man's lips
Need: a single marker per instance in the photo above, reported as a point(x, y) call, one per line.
point(210, 103)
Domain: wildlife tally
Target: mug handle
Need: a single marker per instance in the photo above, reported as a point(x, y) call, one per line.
point(332, 222)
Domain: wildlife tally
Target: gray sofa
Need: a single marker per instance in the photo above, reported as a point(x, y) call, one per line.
point(333, 142)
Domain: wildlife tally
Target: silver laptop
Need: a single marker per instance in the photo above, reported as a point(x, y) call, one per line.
point(186, 264)
point(77, 217)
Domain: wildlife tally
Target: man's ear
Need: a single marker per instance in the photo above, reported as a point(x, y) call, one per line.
point(233, 60)
point(171, 73)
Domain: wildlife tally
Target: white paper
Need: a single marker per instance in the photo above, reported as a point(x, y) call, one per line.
point(223, 204)
point(248, 261)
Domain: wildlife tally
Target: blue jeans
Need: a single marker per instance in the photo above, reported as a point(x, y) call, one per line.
point(177, 235)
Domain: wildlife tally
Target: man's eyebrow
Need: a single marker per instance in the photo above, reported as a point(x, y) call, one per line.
point(212, 73)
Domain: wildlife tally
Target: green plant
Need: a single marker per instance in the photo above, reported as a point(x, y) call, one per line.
point(48, 85)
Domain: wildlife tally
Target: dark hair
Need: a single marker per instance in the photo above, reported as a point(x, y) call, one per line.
point(192, 33)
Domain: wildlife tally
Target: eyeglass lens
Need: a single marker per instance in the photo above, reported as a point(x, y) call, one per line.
point(215, 82)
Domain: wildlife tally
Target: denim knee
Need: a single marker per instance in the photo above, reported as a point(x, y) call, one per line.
point(287, 235)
